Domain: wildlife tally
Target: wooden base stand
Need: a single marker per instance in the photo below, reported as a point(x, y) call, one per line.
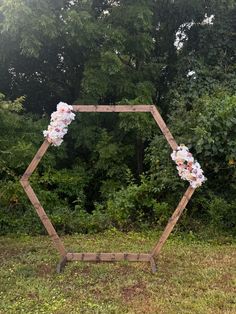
point(61, 265)
point(105, 257)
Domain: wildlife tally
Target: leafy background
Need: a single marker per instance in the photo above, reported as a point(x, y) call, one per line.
point(114, 170)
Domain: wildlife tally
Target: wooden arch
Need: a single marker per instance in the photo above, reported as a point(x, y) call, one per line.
point(106, 257)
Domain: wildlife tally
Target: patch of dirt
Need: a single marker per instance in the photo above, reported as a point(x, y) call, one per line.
point(123, 269)
point(133, 291)
point(33, 296)
point(146, 307)
point(225, 283)
point(85, 271)
point(219, 259)
point(9, 253)
point(96, 293)
point(44, 270)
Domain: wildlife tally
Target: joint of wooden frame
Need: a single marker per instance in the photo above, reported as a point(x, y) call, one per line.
point(61, 265)
point(153, 265)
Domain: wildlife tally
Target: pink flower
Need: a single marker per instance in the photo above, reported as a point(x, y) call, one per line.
point(187, 167)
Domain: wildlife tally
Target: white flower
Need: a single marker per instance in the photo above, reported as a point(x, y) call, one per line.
point(191, 74)
point(182, 154)
point(173, 155)
point(188, 168)
point(60, 120)
point(208, 20)
point(181, 36)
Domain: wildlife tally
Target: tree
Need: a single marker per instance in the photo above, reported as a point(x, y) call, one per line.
point(178, 55)
point(40, 50)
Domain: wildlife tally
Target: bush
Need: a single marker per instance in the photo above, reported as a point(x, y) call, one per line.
point(97, 187)
point(222, 215)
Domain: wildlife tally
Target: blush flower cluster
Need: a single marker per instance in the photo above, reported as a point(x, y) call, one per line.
point(187, 167)
point(58, 126)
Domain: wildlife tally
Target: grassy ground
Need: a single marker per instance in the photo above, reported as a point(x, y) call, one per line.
point(194, 276)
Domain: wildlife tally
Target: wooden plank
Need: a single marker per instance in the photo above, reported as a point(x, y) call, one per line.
point(44, 218)
point(112, 108)
point(108, 257)
point(166, 132)
point(35, 161)
point(173, 220)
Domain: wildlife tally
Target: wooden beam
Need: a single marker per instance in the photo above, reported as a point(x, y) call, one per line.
point(35, 202)
point(36, 160)
point(166, 132)
point(44, 218)
point(173, 220)
point(108, 257)
point(113, 108)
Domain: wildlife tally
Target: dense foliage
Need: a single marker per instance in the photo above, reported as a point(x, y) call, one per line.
point(115, 169)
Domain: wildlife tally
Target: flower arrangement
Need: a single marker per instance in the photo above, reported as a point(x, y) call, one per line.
point(58, 126)
point(187, 167)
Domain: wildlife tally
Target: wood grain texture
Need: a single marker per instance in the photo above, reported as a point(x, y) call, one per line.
point(173, 220)
point(36, 160)
point(166, 132)
point(112, 108)
point(35, 202)
point(108, 257)
point(44, 218)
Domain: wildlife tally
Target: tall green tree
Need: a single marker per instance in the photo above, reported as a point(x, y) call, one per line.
point(43, 47)
point(178, 55)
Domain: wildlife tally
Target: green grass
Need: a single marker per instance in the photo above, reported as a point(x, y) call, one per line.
point(194, 276)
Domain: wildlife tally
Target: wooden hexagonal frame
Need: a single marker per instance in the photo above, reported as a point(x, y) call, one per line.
point(106, 257)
